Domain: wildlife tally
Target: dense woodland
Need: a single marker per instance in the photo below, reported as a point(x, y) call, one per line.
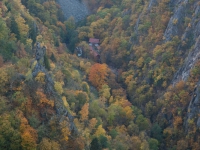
point(123, 102)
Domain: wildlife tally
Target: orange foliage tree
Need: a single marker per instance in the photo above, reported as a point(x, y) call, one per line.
point(43, 100)
point(97, 75)
point(28, 135)
point(84, 112)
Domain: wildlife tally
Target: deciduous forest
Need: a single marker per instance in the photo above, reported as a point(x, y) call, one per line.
point(126, 77)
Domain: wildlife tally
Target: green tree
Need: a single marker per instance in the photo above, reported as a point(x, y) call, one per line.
point(142, 122)
point(14, 28)
point(33, 31)
point(47, 144)
point(156, 132)
point(113, 133)
point(4, 79)
point(23, 28)
point(53, 58)
point(104, 141)
point(10, 138)
point(7, 46)
point(153, 144)
point(18, 98)
point(3, 30)
point(3, 104)
point(95, 145)
point(81, 98)
point(46, 62)
point(72, 35)
point(85, 87)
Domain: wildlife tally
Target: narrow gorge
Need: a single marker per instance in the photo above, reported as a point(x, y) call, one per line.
point(100, 74)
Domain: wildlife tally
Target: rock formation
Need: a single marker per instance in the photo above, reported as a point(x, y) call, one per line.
point(40, 52)
point(173, 27)
point(191, 36)
point(193, 109)
point(74, 8)
point(151, 4)
point(61, 111)
point(194, 30)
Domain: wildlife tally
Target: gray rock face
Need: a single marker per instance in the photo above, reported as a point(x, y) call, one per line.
point(74, 8)
point(198, 122)
point(137, 24)
point(61, 111)
point(175, 2)
point(192, 58)
point(194, 55)
point(151, 3)
point(193, 29)
point(193, 109)
point(175, 21)
point(40, 52)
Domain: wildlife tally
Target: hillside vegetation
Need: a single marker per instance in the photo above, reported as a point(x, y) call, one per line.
point(142, 93)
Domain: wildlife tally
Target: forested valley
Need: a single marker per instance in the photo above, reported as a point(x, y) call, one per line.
point(123, 76)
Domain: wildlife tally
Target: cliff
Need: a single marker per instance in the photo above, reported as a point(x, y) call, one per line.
point(191, 36)
point(61, 112)
point(192, 33)
point(74, 8)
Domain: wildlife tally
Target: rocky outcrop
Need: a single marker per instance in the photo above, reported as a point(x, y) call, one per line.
point(74, 8)
point(191, 36)
point(151, 4)
point(193, 30)
point(61, 112)
point(173, 27)
point(193, 109)
point(190, 61)
point(40, 52)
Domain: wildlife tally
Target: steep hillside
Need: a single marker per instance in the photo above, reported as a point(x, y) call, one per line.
point(134, 87)
point(154, 46)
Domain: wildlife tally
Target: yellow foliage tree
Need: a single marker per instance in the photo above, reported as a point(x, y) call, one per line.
point(129, 113)
point(40, 77)
point(100, 131)
point(140, 62)
point(84, 112)
point(23, 28)
point(65, 130)
point(58, 87)
point(65, 102)
point(3, 79)
point(28, 135)
point(47, 144)
point(105, 91)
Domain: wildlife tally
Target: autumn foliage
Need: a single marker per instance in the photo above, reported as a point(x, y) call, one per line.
point(28, 135)
point(98, 74)
point(131, 104)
